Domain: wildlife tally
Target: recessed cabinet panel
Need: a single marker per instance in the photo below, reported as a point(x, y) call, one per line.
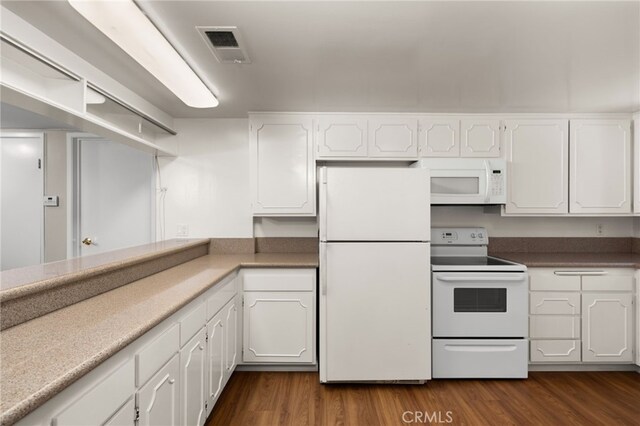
point(537, 154)
point(230, 337)
point(341, 136)
point(159, 399)
point(600, 152)
point(393, 137)
point(215, 358)
point(282, 166)
point(554, 327)
point(440, 137)
point(480, 138)
point(278, 327)
point(555, 351)
point(607, 327)
point(552, 303)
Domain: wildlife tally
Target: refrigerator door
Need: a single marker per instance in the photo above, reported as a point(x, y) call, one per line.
point(375, 319)
point(374, 204)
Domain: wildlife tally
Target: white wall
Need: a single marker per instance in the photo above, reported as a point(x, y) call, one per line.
point(208, 190)
point(208, 184)
point(500, 226)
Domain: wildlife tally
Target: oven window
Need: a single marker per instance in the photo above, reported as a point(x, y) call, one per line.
point(455, 185)
point(480, 300)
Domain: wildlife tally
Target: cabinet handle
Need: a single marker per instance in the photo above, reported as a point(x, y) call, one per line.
point(172, 381)
point(578, 273)
point(201, 347)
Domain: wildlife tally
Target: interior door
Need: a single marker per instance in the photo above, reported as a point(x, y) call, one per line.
point(115, 204)
point(22, 197)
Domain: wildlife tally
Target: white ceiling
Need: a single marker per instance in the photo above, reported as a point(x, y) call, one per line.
point(384, 55)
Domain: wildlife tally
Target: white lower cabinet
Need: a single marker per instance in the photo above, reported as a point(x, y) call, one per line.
point(215, 358)
point(192, 384)
point(279, 316)
point(583, 315)
point(607, 327)
point(159, 399)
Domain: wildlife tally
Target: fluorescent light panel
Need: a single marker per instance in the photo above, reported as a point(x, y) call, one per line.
point(125, 24)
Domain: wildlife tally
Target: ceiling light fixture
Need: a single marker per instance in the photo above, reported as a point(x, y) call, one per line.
point(125, 24)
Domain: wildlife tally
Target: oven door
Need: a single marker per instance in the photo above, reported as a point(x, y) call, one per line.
point(480, 304)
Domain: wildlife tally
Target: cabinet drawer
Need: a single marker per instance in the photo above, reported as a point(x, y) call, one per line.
point(613, 282)
point(554, 327)
point(547, 280)
point(153, 356)
point(280, 280)
point(554, 303)
point(555, 351)
point(99, 403)
point(479, 358)
point(221, 294)
point(192, 322)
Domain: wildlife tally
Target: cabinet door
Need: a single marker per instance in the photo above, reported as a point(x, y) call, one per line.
point(124, 416)
point(537, 154)
point(341, 136)
point(278, 327)
point(480, 138)
point(282, 166)
point(159, 399)
point(393, 137)
point(555, 351)
point(102, 402)
point(600, 152)
point(636, 167)
point(230, 338)
point(439, 137)
point(215, 359)
point(607, 327)
point(192, 384)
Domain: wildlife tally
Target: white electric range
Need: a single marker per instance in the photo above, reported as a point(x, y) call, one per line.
point(480, 308)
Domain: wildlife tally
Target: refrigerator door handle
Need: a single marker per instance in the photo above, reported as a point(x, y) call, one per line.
point(323, 203)
point(323, 269)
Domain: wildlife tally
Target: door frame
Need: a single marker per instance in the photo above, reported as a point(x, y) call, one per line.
point(74, 186)
point(42, 136)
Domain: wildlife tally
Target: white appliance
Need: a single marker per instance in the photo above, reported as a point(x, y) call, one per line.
point(374, 274)
point(480, 308)
point(466, 180)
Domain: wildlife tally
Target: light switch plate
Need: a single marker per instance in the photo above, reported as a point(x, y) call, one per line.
point(51, 201)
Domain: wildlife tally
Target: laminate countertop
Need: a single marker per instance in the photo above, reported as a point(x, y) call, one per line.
point(43, 356)
point(573, 260)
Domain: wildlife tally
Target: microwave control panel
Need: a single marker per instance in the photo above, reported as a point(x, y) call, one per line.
point(497, 182)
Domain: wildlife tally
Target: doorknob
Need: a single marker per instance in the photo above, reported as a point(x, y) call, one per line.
point(87, 241)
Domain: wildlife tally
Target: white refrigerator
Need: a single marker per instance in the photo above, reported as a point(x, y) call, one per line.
point(375, 306)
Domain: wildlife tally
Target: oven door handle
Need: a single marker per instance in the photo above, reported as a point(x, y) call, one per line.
point(515, 278)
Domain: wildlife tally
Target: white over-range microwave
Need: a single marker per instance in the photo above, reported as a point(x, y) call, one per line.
point(466, 180)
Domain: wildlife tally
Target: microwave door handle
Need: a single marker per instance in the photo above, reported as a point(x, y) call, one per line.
point(487, 181)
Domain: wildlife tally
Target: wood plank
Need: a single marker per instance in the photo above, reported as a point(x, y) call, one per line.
point(566, 398)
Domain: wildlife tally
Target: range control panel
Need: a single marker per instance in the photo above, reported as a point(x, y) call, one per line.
point(459, 236)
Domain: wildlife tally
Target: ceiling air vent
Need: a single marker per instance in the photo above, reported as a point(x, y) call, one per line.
point(226, 44)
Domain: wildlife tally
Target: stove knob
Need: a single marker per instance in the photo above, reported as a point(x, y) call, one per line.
point(473, 235)
point(479, 235)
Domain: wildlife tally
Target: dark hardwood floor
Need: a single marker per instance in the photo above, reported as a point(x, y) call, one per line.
point(584, 398)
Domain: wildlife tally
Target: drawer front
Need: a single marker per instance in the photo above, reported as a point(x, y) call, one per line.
point(548, 280)
point(192, 322)
point(153, 356)
point(613, 282)
point(555, 351)
point(279, 280)
point(550, 303)
point(220, 295)
point(476, 358)
point(554, 327)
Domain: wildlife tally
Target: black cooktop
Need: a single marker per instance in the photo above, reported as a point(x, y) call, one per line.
point(468, 261)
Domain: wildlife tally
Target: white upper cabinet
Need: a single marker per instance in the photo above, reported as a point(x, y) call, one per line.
point(341, 136)
point(480, 137)
point(393, 137)
point(439, 137)
point(636, 167)
point(537, 153)
point(600, 172)
point(282, 165)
